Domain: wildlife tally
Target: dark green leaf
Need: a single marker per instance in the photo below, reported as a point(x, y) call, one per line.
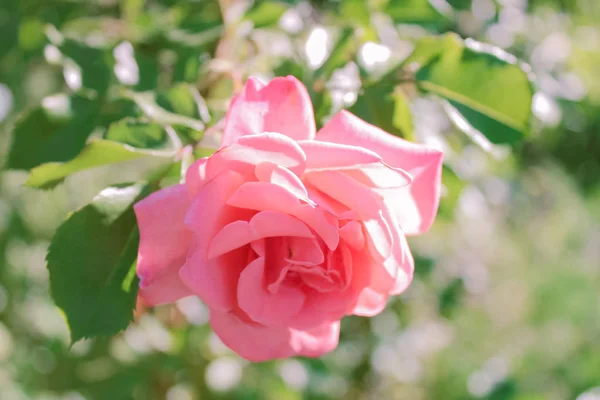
point(54, 132)
point(265, 13)
point(386, 107)
point(450, 297)
point(148, 72)
point(290, 67)
point(461, 4)
point(91, 261)
point(96, 64)
point(423, 266)
point(491, 91)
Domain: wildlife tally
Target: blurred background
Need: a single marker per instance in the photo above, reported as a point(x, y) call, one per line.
point(506, 299)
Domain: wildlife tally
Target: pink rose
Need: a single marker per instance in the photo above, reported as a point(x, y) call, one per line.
point(282, 231)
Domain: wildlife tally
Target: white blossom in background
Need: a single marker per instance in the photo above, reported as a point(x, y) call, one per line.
point(72, 74)
point(224, 374)
point(546, 109)
point(126, 68)
point(318, 46)
point(372, 55)
point(294, 373)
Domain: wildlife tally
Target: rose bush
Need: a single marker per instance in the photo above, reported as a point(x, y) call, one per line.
point(283, 231)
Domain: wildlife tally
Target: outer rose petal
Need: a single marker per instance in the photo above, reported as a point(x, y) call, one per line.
point(214, 280)
point(283, 106)
point(417, 205)
point(164, 243)
point(254, 342)
point(257, 342)
point(370, 303)
point(316, 341)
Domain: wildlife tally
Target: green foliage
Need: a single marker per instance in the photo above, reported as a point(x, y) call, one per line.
point(415, 11)
point(96, 153)
point(385, 106)
point(469, 79)
point(92, 63)
point(92, 264)
point(54, 132)
point(265, 14)
point(504, 299)
point(137, 133)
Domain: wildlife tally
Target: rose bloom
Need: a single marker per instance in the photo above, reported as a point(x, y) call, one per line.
point(284, 231)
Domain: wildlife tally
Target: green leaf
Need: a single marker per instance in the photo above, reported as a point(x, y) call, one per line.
point(358, 13)
point(265, 14)
point(184, 99)
point(486, 86)
point(290, 67)
point(96, 153)
point(157, 113)
point(451, 297)
point(343, 51)
point(494, 131)
point(430, 47)
point(142, 135)
point(386, 107)
point(56, 131)
point(91, 261)
point(414, 12)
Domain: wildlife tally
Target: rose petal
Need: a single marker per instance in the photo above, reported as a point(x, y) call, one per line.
point(276, 224)
point(326, 155)
point(233, 235)
point(263, 196)
point(359, 199)
point(380, 175)
point(423, 163)
point(370, 303)
point(316, 341)
point(283, 177)
point(347, 191)
point(255, 149)
point(213, 280)
point(252, 341)
point(406, 270)
point(352, 234)
point(164, 243)
point(257, 342)
point(304, 251)
point(165, 289)
point(324, 225)
point(195, 176)
point(262, 305)
point(283, 106)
